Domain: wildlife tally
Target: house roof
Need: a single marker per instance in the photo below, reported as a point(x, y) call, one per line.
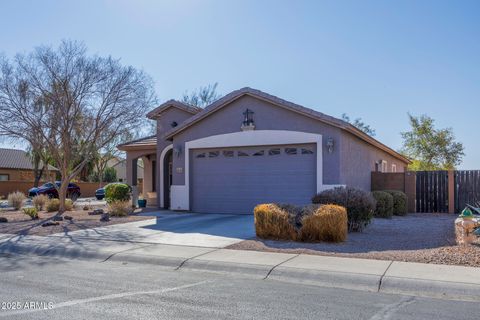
point(285, 104)
point(18, 159)
point(175, 104)
point(142, 143)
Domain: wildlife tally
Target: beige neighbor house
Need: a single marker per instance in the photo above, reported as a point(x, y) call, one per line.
point(120, 166)
point(16, 165)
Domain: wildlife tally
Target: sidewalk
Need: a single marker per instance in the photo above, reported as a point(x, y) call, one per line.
point(439, 281)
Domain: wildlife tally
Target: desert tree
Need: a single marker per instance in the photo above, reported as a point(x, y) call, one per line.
point(201, 97)
point(431, 148)
point(359, 124)
point(74, 102)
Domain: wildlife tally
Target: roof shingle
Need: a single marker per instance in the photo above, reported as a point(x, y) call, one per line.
point(17, 159)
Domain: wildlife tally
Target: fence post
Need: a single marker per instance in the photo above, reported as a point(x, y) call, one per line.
point(410, 190)
point(451, 191)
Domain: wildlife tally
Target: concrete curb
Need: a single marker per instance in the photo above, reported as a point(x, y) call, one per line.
point(432, 289)
point(353, 281)
point(427, 280)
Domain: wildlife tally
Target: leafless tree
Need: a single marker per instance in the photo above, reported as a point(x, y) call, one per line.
point(201, 97)
point(75, 103)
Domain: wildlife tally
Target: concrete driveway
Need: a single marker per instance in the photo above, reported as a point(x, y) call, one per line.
point(189, 229)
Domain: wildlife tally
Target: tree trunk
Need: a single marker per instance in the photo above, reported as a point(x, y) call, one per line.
point(38, 177)
point(62, 196)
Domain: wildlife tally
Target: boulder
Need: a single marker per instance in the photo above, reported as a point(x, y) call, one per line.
point(57, 218)
point(105, 217)
point(50, 223)
point(96, 212)
point(68, 218)
point(3, 220)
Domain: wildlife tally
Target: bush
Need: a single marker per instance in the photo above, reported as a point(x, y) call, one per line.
point(31, 212)
point(399, 202)
point(15, 199)
point(40, 201)
point(117, 192)
point(324, 223)
point(54, 205)
point(384, 207)
point(119, 208)
point(273, 222)
point(359, 204)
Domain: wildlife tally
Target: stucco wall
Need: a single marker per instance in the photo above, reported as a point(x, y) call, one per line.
point(358, 161)
point(266, 117)
point(164, 125)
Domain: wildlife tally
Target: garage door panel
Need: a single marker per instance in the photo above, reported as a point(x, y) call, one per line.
point(236, 184)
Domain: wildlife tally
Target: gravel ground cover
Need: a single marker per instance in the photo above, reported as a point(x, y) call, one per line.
point(419, 237)
point(20, 223)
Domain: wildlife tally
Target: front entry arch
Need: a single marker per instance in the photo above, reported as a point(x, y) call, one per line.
point(165, 170)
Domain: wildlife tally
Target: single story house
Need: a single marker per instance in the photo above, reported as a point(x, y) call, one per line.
point(16, 165)
point(250, 147)
point(120, 166)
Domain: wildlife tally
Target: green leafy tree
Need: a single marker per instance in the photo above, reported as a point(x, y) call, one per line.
point(431, 148)
point(359, 124)
point(110, 175)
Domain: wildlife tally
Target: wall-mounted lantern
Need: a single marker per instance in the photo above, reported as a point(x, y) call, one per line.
point(330, 144)
point(177, 151)
point(248, 123)
point(173, 124)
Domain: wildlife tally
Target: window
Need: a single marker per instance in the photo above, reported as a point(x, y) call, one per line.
point(213, 154)
point(274, 151)
point(242, 154)
point(394, 168)
point(201, 155)
point(384, 166)
point(291, 151)
point(259, 153)
point(306, 151)
point(4, 177)
point(228, 153)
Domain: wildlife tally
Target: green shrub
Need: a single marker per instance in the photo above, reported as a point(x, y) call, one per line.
point(54, 204)
point(384, 207)
point(324, 223)
point(399, 202)
point(15, 199)
point(40, 201)
point(118, 208)
point(360, 205)
point(31, 212)
point(273, 222)
point(117, 192)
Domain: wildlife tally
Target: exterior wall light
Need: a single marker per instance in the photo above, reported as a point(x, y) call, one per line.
point(330, 144)
point(177, 151)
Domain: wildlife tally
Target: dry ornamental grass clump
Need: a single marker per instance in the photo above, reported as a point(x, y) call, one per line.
point(273, 222)
point(324, 223)
point(15, 199)
point(39, 201)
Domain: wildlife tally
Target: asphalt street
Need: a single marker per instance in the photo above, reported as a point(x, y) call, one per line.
point(74, 289)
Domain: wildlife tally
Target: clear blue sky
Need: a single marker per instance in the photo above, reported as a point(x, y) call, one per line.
point(376, 60)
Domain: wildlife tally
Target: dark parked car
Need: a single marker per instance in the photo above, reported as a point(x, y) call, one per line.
point(100, 193)
point(48, 189)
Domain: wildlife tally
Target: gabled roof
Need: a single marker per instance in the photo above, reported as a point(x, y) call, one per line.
point(142, 143)
point(18, 159)
point(217, 105)
point(173, 103)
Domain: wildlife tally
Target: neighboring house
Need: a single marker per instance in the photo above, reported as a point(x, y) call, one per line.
point(120, 166)
point(250, 147)
point(16, 165)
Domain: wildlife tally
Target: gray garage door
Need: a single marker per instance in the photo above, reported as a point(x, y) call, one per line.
point(234, 180)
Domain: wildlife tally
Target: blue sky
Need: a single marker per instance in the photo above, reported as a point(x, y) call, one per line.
point(376, 60)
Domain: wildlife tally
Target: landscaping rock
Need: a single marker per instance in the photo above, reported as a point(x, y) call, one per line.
point(57, 218)
point(105, 217)
point(48, 224)
point(96, 212)
point(3, 220)
point(68, 218)
point(464, 230)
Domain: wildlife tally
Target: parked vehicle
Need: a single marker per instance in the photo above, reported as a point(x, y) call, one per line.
point(100, 193)
point(49, 189)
